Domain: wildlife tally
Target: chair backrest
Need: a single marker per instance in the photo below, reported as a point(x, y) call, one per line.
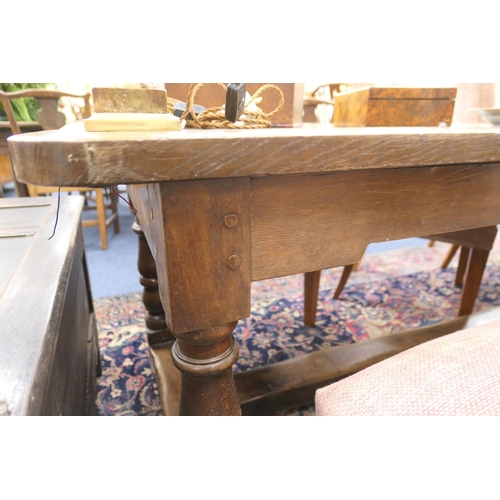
point(318, 104)
point(332, 88)
point(48, 116)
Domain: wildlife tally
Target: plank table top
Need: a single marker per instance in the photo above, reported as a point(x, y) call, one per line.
point(71, 156)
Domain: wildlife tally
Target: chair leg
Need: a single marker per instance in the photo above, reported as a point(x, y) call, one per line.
point(462, 265)
point(355, 266)
point(343, 280)
point(114, 210)
point(475, 273)
point(101, 217)
point(431, 243)
point(311, 289)
point(449, 256)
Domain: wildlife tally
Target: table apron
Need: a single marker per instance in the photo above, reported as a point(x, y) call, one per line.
point(212, 237)
point(305, 223)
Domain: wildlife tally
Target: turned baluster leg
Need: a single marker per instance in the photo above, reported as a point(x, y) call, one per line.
point(199, 234)
point(156, 326)
point(205, 358)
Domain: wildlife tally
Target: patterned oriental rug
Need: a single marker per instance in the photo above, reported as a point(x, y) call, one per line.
point(390, 292)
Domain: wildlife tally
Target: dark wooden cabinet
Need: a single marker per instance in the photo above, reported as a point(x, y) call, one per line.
point(49, 356)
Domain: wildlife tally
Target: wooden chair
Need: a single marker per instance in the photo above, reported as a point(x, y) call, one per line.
point(6, 174)
point(462, 265)
point(475, 247)
point(50, 118)
point(321, 97)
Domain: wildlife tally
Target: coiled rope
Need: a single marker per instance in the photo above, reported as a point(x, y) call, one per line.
point(252, 116)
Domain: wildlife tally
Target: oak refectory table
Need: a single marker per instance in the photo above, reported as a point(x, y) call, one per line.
point(222, 208)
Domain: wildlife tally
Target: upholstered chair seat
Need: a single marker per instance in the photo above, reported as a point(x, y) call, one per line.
point(454, 375)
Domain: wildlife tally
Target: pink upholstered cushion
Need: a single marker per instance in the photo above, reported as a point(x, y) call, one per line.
point(458, 374)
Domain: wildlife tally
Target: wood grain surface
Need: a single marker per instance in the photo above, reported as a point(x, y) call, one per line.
point(44, 308)
point(199, 233)
point(72, 157)
point(483, 237)
point(306, 223)
point(394, 107)
point(403, 93)
point(120, 100)
point(394, 113)
point(65, 392)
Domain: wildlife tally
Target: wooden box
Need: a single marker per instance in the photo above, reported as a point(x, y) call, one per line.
point(394, 107)
point(49, 354)
point(211, 95)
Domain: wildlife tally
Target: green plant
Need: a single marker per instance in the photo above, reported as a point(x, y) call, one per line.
point(24, 108)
